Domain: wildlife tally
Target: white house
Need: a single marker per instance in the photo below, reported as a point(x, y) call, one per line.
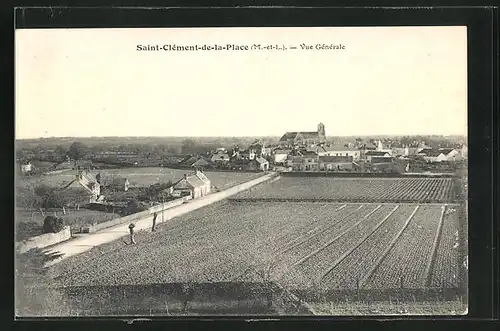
point(464, 151)
point(377, 154)
point(451, 154)
point(337, 151)
point(196, 185)
point(434, 156)
point(263, 163)
point(280, 155)
point(25, 168)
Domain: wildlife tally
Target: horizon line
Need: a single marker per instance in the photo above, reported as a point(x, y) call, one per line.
point(253, 136)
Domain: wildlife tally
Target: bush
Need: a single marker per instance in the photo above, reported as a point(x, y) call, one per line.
point(134, 206)
point(53, 224)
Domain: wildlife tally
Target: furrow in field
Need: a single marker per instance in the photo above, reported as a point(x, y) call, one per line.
point(345, 272)
point(310, 268)
point(314, 266)
point(332, 221)
point(406, 261)
point(386, 250)
point(310, 214)
point(446, 268)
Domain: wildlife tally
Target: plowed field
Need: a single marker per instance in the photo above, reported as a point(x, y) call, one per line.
point(335, 245)
point(353, 189)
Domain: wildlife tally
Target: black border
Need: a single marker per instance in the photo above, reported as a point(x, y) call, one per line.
point(482, 120)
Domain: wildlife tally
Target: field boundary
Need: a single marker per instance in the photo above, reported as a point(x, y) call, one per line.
point(349, 200)
point(44, 240)
point(232, 298)
point(129, 218)
point(365, 174)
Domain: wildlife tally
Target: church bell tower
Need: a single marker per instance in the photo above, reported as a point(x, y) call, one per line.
point(321, 132)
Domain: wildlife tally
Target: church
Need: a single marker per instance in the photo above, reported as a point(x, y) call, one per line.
point(305, 138)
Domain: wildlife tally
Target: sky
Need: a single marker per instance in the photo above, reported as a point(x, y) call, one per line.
point(386, 81)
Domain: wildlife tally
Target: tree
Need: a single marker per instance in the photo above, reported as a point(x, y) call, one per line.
point(188, 146)
point(77, 151)
point(60, 153)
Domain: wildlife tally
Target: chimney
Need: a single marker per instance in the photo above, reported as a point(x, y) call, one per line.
point(185, 176)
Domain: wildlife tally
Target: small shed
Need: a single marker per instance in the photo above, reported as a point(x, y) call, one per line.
point(263, 163)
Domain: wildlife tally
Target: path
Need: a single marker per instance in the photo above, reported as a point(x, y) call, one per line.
point(86, 243)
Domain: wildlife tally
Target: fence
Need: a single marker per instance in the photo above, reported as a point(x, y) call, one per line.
point(44, 240)
point(133, 217)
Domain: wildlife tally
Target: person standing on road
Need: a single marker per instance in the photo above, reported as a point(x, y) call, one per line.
point(155, 215)
point(132, 234)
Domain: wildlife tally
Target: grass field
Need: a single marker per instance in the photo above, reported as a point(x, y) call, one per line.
point(140, 177)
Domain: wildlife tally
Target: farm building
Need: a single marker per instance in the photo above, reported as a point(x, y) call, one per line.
point(202, 163)
point(305, 161)
point(83, 188)
point(258, 148)
point(451, 154)
point(195, 185)
point(305, 138)
point(263, 163)
point(220, 157)
point(188, 161)
point(280, 155)
point(377, 155)
point(26, 168)
point(295, 162)
point(434, 156)
point(90, 184)
point(337, 150)
point(335, 163)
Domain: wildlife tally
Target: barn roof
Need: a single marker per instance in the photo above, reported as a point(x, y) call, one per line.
point(261, 160)
point(335, 148)
point(376, 153)
point(433, 153)
point(446, 151)
point(308, 153)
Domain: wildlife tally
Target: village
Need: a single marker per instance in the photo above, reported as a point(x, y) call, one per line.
point(116, 183)
point(295, 151)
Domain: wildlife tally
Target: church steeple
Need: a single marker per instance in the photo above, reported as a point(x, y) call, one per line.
point(321, 129)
